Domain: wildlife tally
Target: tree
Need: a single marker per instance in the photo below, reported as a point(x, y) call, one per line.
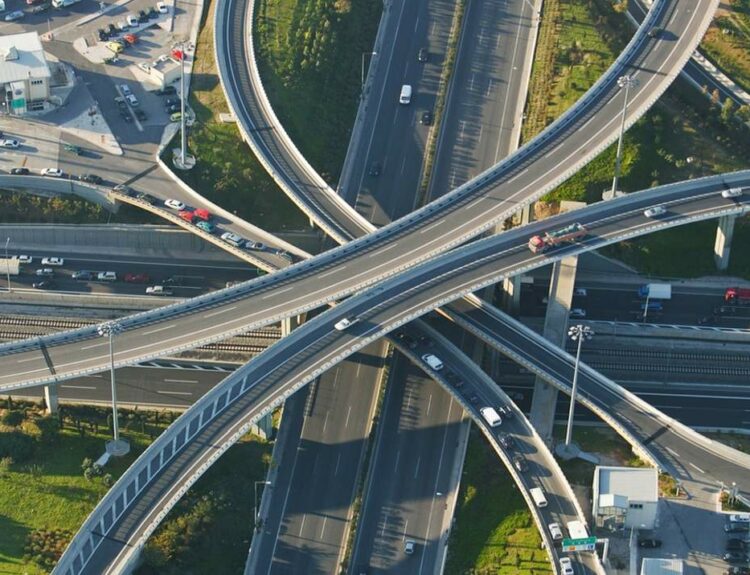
point(727, 110)
point(743, 113)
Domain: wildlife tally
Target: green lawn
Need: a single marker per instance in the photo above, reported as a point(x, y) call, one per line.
point(310, 57)
point(227, 171)
point(727, 41)
point(494, 532)
point(50, 491)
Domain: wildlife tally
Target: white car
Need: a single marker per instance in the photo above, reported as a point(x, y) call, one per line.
point(232, 239)
point(158, 290)
point(731, 193)
point(106, 276)
point(433, 361)
point(122, 25)
point(342, 324)
point(174, 204)
point(132, 100)
point(655, 211)
point(555, 531)
point(409, 546)
point(45, 272)
point(251, 245)
point(52, 261)
point(52, 172)
point(9, 143)
point(580, 292)
point(566, 566)
point(578, 313)
point(162, 8)
point(131, 20)
point(125, 89)
point(145, 67)
point(24, 259)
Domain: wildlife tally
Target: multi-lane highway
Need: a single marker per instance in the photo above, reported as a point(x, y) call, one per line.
point(267, 380)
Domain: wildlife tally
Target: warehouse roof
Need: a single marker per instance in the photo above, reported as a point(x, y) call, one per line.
point(22, 58)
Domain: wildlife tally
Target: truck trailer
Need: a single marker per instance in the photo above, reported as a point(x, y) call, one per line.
point(569, 233)
point(655, 291)
point(737, 296)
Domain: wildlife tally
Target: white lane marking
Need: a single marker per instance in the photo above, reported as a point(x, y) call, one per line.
point(338, 462)
point(436, 224)
point(157, 330)
point(696, 467)
point(221, 311)
point(385, 523)
point(416, 469)
point(333, 271)
point(672, 451)
point(348, 413)
point(474, 203)
point(403, 165)
point(325, 423)
point(385, 249)
point(87, 347)
point(398, 457)
point(518, 175)
point(323, 529)
point(302, 525)
point(164, 392)
point(416, 24)
point(429, 405)
point(78, 386)
point(586, 123)
point(274, 293)
point(406, 524)
point(181, 381)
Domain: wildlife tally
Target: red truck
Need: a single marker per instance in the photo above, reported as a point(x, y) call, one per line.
point(569, 233)
point(737, 296)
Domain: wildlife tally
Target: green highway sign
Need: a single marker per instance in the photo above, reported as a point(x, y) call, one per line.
point(583, 544)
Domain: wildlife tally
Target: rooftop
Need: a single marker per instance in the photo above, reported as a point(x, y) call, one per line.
point(635, 483)
point(661, 567)
point(21, 58)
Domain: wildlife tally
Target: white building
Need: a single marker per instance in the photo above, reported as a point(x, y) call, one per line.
point(24, 73)
point(625, 497)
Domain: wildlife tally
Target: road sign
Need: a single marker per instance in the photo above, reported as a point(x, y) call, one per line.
point(583, 544)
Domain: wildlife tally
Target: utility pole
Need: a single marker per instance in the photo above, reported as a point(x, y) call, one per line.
point(625, 82)
point(116, 447)
point(577, 333)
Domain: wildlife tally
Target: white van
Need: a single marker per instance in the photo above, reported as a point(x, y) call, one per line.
point(740, 518)
point(491, 416)
point(433, 361)
point(538, 496)
point(106, 276)
point(405, 96)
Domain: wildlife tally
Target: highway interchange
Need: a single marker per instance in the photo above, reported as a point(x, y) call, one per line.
point(433, 223)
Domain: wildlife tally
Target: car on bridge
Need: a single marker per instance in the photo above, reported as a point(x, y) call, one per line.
point(158, 290)
point(45, 272)
point(136, 278)
point(206, 226)
point(52, 261)
point(52, 172)
point(566, 566)
point(346, 322)
point(9, 143)
point(19, 171)
point(655, 212)
point(174, 204)
point(83, 275)
point(44, 284)
point(433, 361)
point(555, 531)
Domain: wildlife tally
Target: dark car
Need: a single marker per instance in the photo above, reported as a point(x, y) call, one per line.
point(39, 8)
point(147, 198)
point(423, 55)
point(732, 527)
point(427, 118)
point(506, 440)
point(83, 275)
point(171, 101)
point(165, 91)
point(735, 557)
point(451, 377)
point(91, 179)
point(172, 281)
point(112, 29)
point(655, 32)
point(141, 115)
point(125, 115)
point(19, 171)
point(142, 16)
point(520, 464)
point(152, 13)
point(737, 571)
point(102, 34)
point(44, 284)
point(425, 341)
point(173, 109)
point(649, 543)
point(735, 544)
point(474, 399)
point(374, 169)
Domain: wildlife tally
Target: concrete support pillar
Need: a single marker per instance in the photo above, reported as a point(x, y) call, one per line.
point(51, 399)
point(544, 401)
point(290, 324)
point(512, 286)
point(723, 244)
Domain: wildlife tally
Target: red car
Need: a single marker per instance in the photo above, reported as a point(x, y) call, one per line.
point(202, 214)
point(130, 38)
point(186, 215)
point(136, 278)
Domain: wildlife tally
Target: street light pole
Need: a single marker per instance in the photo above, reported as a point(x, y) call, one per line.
point(7, 264)
point(626, 82)
point(579, 333)
point(110, 329)
point(255, 508)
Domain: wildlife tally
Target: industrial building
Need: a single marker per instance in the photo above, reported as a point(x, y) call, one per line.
point(24, 74)
point(625, 497)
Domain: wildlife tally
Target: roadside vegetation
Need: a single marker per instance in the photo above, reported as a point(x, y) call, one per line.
point(686, 135)
point(310, 58)
point(493, 531)
point(45, 489)
point(227, 172)
point(210, 529)
point(727, 42)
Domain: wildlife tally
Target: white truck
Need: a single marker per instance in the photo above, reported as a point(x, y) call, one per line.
point(655, 291)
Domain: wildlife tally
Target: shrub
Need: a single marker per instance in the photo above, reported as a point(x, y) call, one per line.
point(49, 429)
point(45, 546)
point(16, 445)
point(13, 418)
point(108, 480)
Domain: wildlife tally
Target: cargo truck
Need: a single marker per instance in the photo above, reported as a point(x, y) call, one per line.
point(569, 233)
point(655, 291)
point(737, 296)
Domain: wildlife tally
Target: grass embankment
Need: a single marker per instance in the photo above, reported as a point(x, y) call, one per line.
point(310, 58)
point(494, 532)
point(45, 488)
point(682, 137)
point(727, 41)
point(227, 171)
